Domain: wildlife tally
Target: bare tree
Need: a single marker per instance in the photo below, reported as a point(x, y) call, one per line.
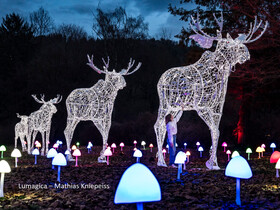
point(41, 22)
point(117, 25)
point(71, 31)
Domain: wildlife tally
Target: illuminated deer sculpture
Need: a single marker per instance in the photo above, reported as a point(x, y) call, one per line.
point(96, 103)
point(202, 86)
point(21, 131)
point(40, 121)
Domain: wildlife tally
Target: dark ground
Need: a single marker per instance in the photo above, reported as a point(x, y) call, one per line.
point(199, 188)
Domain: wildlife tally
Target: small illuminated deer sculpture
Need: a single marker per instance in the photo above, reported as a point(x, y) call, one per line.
point(96, 103)
point(202, 86)
point(40, 121)
point(21, 131)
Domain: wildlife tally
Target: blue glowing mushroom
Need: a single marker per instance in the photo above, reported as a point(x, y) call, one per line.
point(238, 168)
point(51, 154)
point(59, 160)
point(180, 160)
point(35, 152)
point(137, 185)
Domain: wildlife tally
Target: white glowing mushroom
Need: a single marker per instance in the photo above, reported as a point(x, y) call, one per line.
point(108, 153)
point(238, 168)
point(164, 152)
point(59, 160)
point(197, 144)
point(16, 154)
point(121, 145)
point(4, 168)
point(248, 151)
point(77, 153)
point(35, 152)
point(2, 150)
point(143, 143)
point(137, 154)
point(228, 152)
point(137, 185)
point(51, 154)
point(114, 146)
point(200, 149)
point(67, 153)
point(277, 166)
point(185, 145)
point(134, 142)
point(151, 146)
point(272, 146)
point(180, 160)
point(235, 154)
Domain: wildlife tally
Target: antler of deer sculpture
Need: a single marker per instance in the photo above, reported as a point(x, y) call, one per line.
point(96, 103)
point(202, 86)
point(40, 121)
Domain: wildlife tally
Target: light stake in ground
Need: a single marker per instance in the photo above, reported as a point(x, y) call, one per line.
point(4, 168)
point(228, 153)
point(35, 152)
point(77, 153)
point(249, 151)
point(197, 145)
point(188, 154)
point(16, 154)
point(59, 160)
point(238, 168)
point(185, 145)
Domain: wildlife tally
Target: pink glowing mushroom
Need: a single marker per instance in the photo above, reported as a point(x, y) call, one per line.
point(121, 145)
point(108, 153)
point(55, 145)
point(188, 154)
point(228, 153)
point(274, 158)
point(224, 144)
point(76, 153)
point(164, 151)
point(151, 146)
point(74, 147)
point(134, 142)
point(113, 146)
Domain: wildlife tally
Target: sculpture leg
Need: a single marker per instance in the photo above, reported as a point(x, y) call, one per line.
point(43, 143)
point(16, 137)
point(213, 123)
point(28, 143)
point(160, 130)
point(104, 131)
point(47, 140)
point(34, 134)
point(68, 132)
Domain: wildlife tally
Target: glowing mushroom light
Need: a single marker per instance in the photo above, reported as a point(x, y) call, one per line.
point(143, 144)
point(200, 149)
point(249, 151)
point(2, 150)
point(224, 144)
point(16, 154)
point(138, 155)
point(238, 168)
point(228, 153)
point(151, 146)
point(77, 153)
point(137, 185)
point(277, 167)
point(4, 168)
point(51, 154)
point(235, 154)
point(35, 152)
point(259, 150)
point(59, 160)
point(180, 160)
point(121, 145)
point(108, 153)
point(272, 146)
point(113, 146)
point(164, 152)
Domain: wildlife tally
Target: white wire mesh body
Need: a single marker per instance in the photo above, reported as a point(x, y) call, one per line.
point(201, 86)
point(21, 131)
point(95, 103)
point(40, 121)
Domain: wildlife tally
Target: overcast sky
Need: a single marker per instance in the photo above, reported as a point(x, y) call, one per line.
point(79, 12)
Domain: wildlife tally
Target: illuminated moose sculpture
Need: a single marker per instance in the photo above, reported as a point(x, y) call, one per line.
point(96, 103)
point(40, 121)
point(202, 86)
point(21, 131)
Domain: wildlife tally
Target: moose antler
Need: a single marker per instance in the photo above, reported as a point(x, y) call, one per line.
point(253, 29)
point(130, 64)
point(202, 33)
point(37, 100)
point(57, 99)
point(91, 64)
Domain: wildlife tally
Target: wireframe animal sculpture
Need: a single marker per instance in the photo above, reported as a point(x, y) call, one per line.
point(21, 131)
point(202, 86)
point(96, 103)
point(40, 121)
